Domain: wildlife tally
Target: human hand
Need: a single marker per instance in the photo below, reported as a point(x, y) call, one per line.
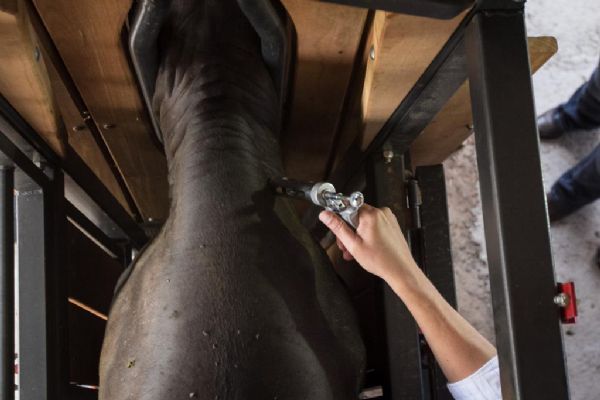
point(378, 244)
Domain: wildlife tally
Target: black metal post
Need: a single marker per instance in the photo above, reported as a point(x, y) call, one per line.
point(528, 334)
point(386, 184)
point(7, 284)
point(31, 247)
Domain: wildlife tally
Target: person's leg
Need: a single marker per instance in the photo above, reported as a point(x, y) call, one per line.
point(582, 111)
point(575, 188)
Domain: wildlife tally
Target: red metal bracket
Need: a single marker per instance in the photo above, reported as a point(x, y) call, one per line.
point(567, 301)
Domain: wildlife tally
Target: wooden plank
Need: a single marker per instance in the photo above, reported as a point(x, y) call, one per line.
point(400, 49)
point(87, 34)
point(81, 140)
point(92, 273)
point(452, 126)
point(328, 39)
point(23, 76)
point(404, 46)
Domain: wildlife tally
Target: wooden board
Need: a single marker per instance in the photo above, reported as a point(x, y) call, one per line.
point(23, 77)
point(404, 46)
point(87, 34)
point(328, 39)
point(400, 48)
point(81, 140)
point(453, 124)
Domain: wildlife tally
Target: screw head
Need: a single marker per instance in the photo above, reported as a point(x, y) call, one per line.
point(372, 53)
point(108, 126)
point(562, 300)
point(79, 128)
point(357, 199)
point(388, 155)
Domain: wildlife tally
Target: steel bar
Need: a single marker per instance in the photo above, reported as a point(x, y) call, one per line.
point(73, 165)
point(404, 380)
point(437, 255)
point(22, 161)
point(81, 221)
point(442, 9)
point(32, 256)
point(7, 284)
point(528, 334)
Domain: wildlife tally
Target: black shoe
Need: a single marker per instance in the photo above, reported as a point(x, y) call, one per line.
point(558, 209)
point(549, 125)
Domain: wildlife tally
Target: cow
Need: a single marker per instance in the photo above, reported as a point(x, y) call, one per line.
point(232, 299)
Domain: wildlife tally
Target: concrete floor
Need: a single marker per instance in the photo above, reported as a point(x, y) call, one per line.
point(574, 240)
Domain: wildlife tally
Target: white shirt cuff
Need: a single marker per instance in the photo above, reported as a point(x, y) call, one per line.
point(483, 384)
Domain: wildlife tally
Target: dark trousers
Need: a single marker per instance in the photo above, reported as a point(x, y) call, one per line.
point(581, 184)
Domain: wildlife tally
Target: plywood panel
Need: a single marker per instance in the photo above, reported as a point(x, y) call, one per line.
point(404, 46)
point(328, 39)
point(23, 77)
point(87, 34)
point(453, 124)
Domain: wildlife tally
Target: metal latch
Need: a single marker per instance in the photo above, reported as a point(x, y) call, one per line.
point(567, 301)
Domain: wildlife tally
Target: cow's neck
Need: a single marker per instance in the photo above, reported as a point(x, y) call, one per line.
point(218, 125)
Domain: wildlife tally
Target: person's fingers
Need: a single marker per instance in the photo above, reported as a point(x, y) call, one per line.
point(339, 228)
point(347, 256)
point(340, 245)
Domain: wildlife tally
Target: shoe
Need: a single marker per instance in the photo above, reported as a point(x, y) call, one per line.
point(558, 209)
point(549, 125)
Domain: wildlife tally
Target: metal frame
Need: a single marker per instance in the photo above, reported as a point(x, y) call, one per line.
point(528, 334)
point(489, 46)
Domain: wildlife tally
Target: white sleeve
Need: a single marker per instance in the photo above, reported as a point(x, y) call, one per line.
point(483, 384)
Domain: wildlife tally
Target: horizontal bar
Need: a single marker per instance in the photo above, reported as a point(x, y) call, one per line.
point(73, 166)
point(22, 161)
point(82, 222)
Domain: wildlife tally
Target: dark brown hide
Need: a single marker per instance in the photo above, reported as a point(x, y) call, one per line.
point(233, 299)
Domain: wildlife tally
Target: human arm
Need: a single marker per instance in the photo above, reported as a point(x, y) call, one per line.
point(380, 248)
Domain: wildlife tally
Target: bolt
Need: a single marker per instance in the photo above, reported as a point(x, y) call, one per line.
point(372, 53)
point(36, 54)
point(108, 126)
point(562, 300)
point(388, 155)
point(79, 128)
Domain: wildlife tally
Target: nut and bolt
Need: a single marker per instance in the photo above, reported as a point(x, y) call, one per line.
point(388, 155)
point(562, 300)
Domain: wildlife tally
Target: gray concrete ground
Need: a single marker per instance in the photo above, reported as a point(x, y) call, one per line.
point(574, 240)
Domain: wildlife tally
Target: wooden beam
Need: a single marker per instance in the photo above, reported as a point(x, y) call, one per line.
point(453, 124)
point(400, 48)
point(328, 39)
point(404, 46)
point(81, 140)
point(87, 34)
point(23, 77)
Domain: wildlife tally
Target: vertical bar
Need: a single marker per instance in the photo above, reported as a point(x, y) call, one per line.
point(404, 376)
point(528, 334)
point(31, 248)
point(437, 255)
point(7, 284)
